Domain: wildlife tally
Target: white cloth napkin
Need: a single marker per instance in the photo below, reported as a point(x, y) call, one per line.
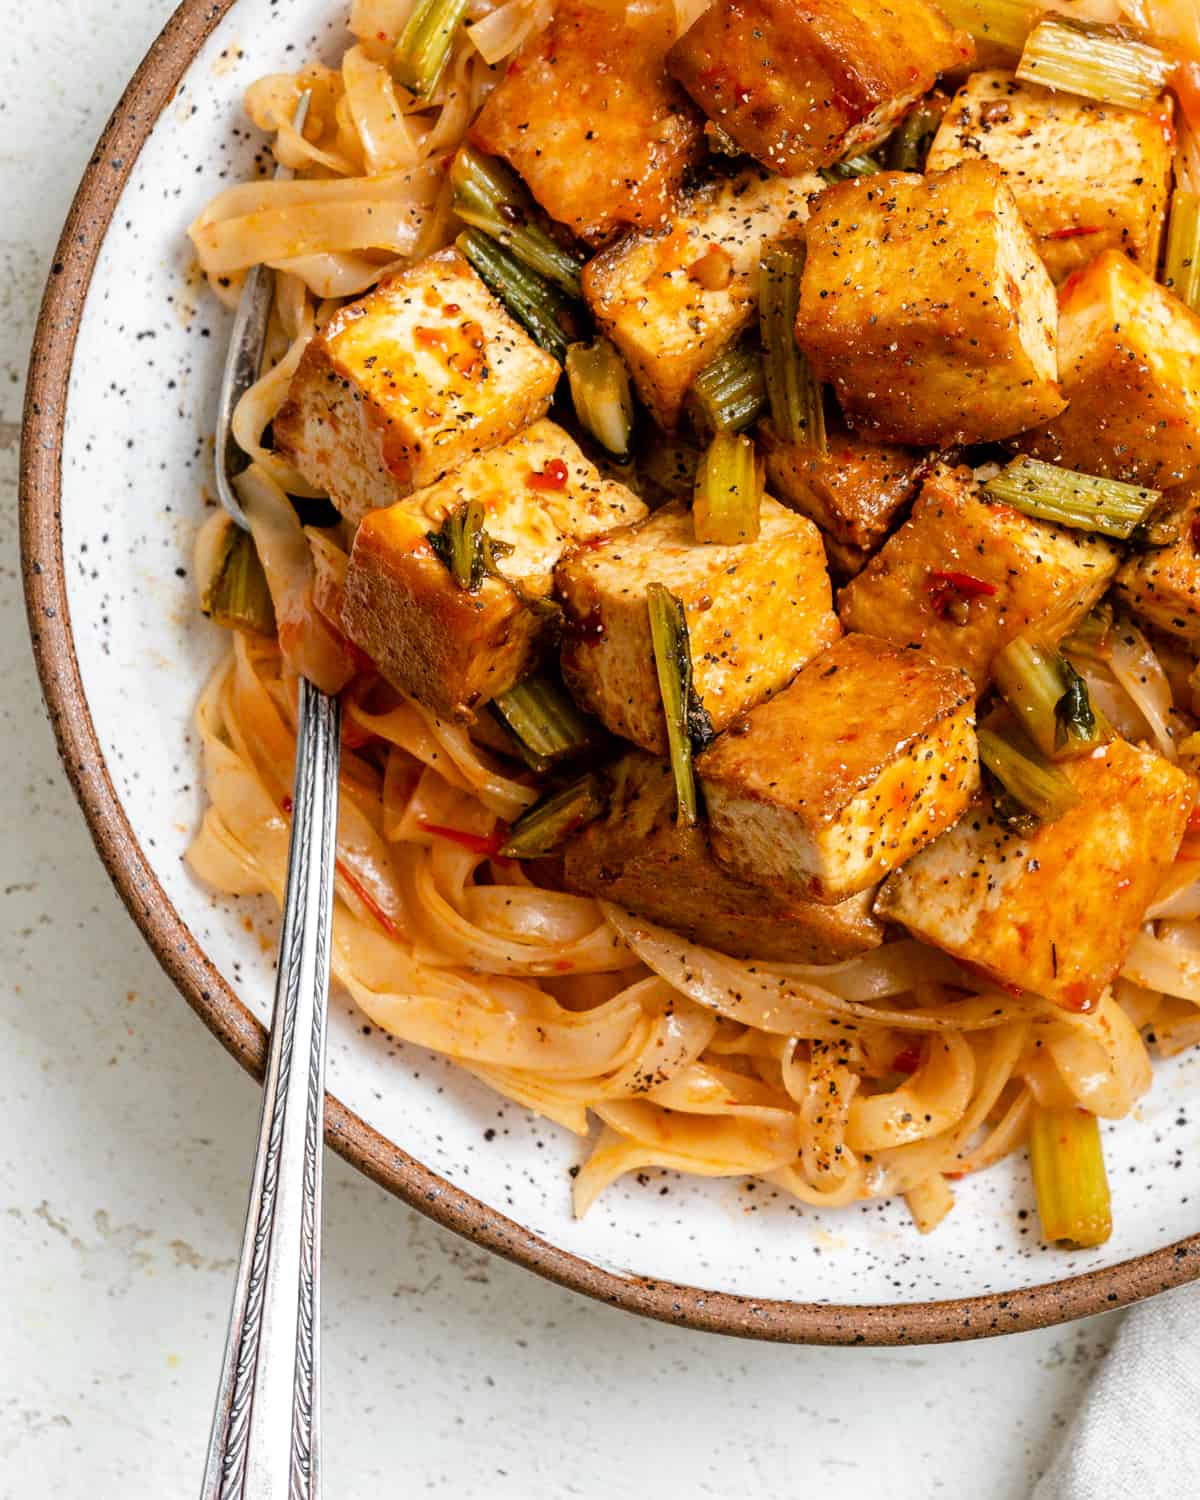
point(1137, 1431)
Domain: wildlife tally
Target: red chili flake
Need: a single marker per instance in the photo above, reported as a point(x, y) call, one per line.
point(950, 592)
point(1072, 232)
point(451, 308)
point(489, 847)
point(287, 804)
point(553, 477)
point(907, 1061)
point(373, 907)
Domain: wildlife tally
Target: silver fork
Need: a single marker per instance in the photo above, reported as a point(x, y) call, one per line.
point(265, 1431)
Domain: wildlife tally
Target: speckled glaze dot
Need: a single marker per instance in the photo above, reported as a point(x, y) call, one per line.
point(123, 656)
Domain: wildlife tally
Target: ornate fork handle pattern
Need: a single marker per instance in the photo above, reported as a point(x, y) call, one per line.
point(264, 1443)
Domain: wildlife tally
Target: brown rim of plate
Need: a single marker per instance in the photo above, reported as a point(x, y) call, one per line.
point(150, 89)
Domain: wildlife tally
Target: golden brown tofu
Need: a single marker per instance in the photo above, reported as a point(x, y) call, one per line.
point(640, 857)
point(800, 86)
point(401, 387)
point(925, 306)
point(671, 301)
point(962, 577)
point(844, 775)
point(1129, 356)
point(1162, 585)
point(449, 648)
point(1053, 911)
point(1086, 176)
point(756, 612)
point(854, 491)
point(589, 117)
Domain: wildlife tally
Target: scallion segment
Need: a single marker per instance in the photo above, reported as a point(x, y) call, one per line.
point(543, 719)
point(601, 394)
point(1092, 638)
point(464, 547)
point(730, 392)
point(1108, 63)
point(423, 48)
point(1084, 501)
point(549, 823)
point(996, 23)
point(1028, 777)
point(850, 167)
point(543, 309)
point(910, 143)
point(728, 494)
point(685, 716)
point(1049, 698)
point(491, 198)
point(1067, 1160)
point(237, 596)
point(1182, 267)
point(797, 407)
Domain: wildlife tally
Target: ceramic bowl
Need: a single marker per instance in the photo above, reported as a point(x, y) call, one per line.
point(117, 464)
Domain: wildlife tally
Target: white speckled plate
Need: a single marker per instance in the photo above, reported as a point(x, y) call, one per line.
point(122, 393)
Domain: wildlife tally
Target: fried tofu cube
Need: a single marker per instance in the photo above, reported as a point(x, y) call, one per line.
point(801, 86)
point(962, 577)
point(1053, 911)
point(671, 301)
point(1162, 586)
point(925, 306)
point(642, 858)
point(756, 612)
point(1129, 356)
point(590, 118)
point(839, 778)
point(1086, 176)
point(449, 648)
point(854, 490)
point(409, 382)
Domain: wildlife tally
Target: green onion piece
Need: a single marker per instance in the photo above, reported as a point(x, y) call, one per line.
point(730, 392)
point(1092, 638)
point(1069, 1179)
point(238, 596)
point(465, 548)
point(1182, 267)
point(729, 489)
point(549, 316)
point(1049, 698)
point(423, 48)
point(600, 390)
point(1024, 772)
point(1108, 63)
point(797, 407)
point(1002, 23)
point(491, 198)
point(555, 818)
point(850, 166)
point(910, 143)
point(670, 466)
point(544, 720)
point(1084, 501)
point(673, 660)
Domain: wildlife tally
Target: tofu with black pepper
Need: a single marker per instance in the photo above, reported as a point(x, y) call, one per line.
point(802, 86)
point(641, 857)
point(963, 576)
point(1055, 910)
point(853, 489)
point(925, 305)
point(1129, 355)
point(451, 648)
point(756, 613)
point(408, 383)
point(590, 118)
point(671, 300)
point(1162, 585)
point(839, 778)
point(1087, 176)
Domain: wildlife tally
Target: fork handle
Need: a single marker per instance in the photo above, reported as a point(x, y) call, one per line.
point(265, 1434)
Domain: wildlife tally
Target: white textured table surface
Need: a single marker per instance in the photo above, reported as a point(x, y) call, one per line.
point(125, 1153)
